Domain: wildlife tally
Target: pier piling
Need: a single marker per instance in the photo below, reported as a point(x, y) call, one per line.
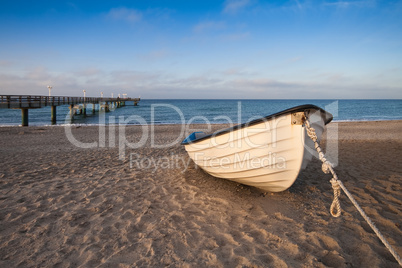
point(53, 114)
point(24, 117)
point(71, 111)
point(84, 110)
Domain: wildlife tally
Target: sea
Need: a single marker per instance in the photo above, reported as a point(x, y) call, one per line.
point(201, 111)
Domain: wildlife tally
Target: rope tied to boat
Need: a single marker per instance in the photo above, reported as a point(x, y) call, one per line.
point(326, 167)
point(335, 208)
point(337, 185)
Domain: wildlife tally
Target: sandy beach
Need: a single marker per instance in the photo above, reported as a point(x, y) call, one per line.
point(66, 206)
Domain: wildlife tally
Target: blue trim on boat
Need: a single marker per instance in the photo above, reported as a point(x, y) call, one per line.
point(192, 137)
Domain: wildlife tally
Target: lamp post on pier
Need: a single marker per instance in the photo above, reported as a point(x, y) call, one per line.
point(50, 88)
point(84, 105)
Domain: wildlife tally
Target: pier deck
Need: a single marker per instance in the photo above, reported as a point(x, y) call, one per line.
point(26, 102)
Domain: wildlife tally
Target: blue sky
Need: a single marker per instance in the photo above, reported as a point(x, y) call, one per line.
point(202, 49)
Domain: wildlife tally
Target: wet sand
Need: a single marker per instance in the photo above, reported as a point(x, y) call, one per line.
point(65, 206)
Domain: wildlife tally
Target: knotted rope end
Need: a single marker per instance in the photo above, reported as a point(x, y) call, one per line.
point(336, 206)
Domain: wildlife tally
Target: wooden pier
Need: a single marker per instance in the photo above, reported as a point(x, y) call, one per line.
point(26, 102)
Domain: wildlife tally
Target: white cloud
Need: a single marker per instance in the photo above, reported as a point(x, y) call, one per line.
point(37, 73)
point(237, 72)
point(233, 72)
point(209, 26)
point(5, 63)
point(234, 6)
point(125, 14)
point(228, 83)
point(299, 6)
point(154, 55)
point(92, 71)
point(295, 59)
point(348, 4)
point(235, 36)
point(129, 79)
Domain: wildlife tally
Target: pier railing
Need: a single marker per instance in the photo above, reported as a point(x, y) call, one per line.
point(32, 102)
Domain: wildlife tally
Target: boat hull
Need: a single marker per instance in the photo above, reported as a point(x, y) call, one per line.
point(267, 153)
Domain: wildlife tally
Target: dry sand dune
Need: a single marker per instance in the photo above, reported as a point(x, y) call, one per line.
point(64, 206)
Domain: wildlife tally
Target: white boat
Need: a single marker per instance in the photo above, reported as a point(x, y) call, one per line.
point(267, 153)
